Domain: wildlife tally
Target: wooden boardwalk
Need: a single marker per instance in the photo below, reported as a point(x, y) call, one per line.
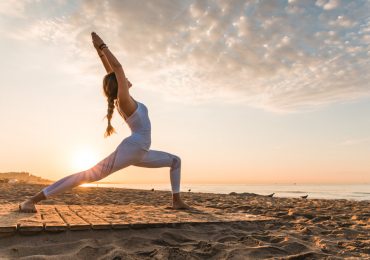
point(57, 218)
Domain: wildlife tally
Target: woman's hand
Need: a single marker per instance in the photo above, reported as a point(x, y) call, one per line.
point(97, 41)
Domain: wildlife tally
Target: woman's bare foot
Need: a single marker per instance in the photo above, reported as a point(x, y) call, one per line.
point(177, 202)
point(180, 205)
point(27, 206)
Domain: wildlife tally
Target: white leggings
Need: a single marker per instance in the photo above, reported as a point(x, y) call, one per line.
point(126, 154)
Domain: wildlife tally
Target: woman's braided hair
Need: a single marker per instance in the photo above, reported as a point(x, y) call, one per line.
point(110, 87)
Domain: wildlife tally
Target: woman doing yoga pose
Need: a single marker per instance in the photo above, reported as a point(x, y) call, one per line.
point(133, 150)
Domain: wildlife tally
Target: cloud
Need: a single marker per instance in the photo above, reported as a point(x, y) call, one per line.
point(328, 5)
point(276, 55)
point(342, 21)
point(12, 8)
point(355, 141)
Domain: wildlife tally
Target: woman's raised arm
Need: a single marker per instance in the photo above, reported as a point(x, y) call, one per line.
point(104, 60)
point(123, 92)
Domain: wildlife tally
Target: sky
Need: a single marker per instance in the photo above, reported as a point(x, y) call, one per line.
point(243, 91)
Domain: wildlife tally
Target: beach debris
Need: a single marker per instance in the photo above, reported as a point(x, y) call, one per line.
point(304, 197)
point(271, 195)
point(189, 190)
point(244, 194)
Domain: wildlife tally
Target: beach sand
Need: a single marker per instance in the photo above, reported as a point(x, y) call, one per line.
point(299, 228)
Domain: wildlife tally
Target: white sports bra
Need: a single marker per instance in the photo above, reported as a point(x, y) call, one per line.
point(138, 121)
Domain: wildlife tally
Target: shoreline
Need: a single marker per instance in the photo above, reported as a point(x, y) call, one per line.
point(251, 189)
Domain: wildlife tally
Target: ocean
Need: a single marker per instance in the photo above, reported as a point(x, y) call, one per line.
point(314, 191)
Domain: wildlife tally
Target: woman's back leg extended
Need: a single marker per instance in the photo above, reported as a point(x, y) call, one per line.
point(125, 155)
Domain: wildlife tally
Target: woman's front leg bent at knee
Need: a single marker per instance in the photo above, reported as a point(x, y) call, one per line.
point(158, 159)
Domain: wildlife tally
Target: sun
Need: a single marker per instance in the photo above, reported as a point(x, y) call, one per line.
point(83, 158)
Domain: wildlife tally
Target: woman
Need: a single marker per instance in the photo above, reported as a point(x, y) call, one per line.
point(133, 150)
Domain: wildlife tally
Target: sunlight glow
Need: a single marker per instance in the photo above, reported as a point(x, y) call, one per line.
point(87, 185)
point(83, 159)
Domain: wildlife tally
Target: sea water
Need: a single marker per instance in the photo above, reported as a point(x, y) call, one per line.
point(314, 191)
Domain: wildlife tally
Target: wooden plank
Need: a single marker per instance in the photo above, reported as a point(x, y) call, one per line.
point(95, 221)
point(30, 223)
point(8, 228)
point(113, 214)
point(51, 219)
point(73, 221)
point(11, 220)
point(8, 220)
point(139, 216)
point(133, 215)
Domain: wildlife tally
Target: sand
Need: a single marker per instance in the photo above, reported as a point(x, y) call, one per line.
point(298, 229)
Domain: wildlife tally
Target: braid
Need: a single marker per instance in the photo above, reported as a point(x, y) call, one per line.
point(110, 130)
